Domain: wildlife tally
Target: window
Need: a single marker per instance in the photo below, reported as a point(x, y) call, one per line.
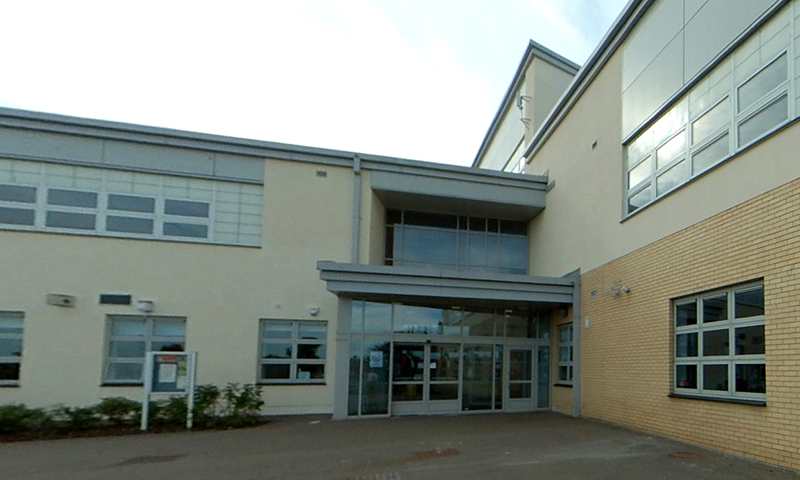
point(10, 347)
point(458, 242)
point(17, 205)
point(565, 354)
point(744, 98)
point(719, 343)
point(131, 336)
point(92, 201)
point(292, 352)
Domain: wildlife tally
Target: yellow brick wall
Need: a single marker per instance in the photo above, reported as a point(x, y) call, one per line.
point(626, 352)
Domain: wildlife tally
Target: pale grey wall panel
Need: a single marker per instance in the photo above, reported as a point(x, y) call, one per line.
point(239, 167)
point(654, 32)
point(691, 7)
point(657, 83)
point(50, 146)
point(159, 158)
point(716, 25)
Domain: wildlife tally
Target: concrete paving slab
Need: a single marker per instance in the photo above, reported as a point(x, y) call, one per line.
point(469, 447)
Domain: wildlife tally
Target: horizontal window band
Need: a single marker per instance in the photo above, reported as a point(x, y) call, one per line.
point(565, 385)
point(742, 401)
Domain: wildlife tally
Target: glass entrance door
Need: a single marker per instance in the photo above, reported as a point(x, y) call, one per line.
point(520, 395)
point(425, 378)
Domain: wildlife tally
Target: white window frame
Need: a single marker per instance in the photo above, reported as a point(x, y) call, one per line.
point(294, 362)
point(148, 338)
point(731, 359)
point(569, 346)
point(13, 336)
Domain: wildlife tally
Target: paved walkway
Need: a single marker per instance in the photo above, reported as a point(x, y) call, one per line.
point(501, 446)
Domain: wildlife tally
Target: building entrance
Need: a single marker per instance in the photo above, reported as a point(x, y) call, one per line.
point(417, 360)
point(425, 378)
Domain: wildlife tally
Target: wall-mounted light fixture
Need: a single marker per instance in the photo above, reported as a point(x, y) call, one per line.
point(144, 306)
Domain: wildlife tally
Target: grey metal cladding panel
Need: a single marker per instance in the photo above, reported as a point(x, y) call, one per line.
point(691, 7)
point(715, 26)
point(368, 280)
point(158, 158)
point(445, 292)
point(239, 167)
point(52, 146)
point(659, 81)
point(428, 203)
point(457, 189)
point(661, 23)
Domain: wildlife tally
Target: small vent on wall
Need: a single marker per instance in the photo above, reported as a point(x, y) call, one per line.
point(114, 299)
point(322, 173)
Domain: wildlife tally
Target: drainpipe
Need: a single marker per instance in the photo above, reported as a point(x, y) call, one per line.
point(356, 209)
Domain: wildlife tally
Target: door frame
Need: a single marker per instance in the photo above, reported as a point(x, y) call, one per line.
point(520, 404)
point(426, 406)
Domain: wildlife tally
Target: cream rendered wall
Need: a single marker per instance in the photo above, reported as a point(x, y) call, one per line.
point(582, 225)
point(550, 82)
point(223, 292)
point(506, 139)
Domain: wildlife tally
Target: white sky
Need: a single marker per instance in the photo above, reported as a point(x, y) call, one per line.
point(418, 79)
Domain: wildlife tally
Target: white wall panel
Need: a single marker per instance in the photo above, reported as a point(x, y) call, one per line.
point(662, 78)
point(655, 31)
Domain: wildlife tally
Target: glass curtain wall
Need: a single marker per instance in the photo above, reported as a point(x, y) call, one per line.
point(462, 243)
point(469, 368)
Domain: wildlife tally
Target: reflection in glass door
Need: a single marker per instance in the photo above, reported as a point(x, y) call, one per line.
point(425, 378)
point(482, 387)
point(520, 379)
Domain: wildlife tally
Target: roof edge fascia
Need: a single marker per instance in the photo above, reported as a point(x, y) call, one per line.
point(113, 130)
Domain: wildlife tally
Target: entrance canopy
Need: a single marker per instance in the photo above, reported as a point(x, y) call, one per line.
point(387, 283)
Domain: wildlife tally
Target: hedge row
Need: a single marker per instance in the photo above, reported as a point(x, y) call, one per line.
point(233, 406)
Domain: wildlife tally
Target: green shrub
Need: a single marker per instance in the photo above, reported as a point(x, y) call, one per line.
point(174, 410)
point(76, 418)
point(119, 410)
point(18, 418)
point(242, 404)
point(206, 408)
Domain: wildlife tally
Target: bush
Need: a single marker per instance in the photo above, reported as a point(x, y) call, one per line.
point(242, 404)
point(173, 410)
point(233, 406)
point(206, 399)
point(19, 419)
point(119, 410)
point(77, 418)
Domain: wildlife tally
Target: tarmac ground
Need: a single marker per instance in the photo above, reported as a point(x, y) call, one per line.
point(538, 446)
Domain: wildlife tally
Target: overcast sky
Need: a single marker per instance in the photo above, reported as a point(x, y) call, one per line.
point(418, 79)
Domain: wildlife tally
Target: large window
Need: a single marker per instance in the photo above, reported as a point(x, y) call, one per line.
point(82, 200)
point(293, 352)
point(457, 242)
point(565, 354)
point(743, 99)
point(10, 347)
point(719, 343)
point(130, 337)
